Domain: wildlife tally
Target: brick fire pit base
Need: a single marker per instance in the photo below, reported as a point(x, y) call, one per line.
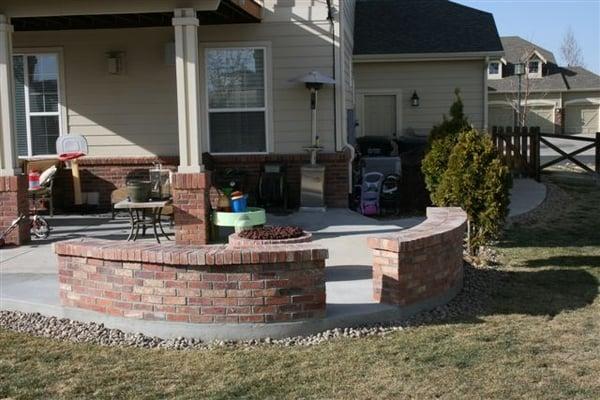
point(194, 284)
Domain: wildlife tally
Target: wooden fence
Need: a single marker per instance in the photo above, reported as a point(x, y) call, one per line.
point(520, 148)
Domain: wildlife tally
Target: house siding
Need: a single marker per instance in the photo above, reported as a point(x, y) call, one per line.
point(135, 113)
point(434, 81)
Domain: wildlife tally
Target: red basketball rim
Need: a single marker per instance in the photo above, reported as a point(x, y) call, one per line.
point(70, 155)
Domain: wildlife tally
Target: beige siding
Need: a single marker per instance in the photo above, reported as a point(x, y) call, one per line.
point(434, 81)
point(129, 114)
point(135, 113)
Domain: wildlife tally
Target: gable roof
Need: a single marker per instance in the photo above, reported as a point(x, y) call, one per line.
point(555, 77)
point(422, 26)
point(517, 49)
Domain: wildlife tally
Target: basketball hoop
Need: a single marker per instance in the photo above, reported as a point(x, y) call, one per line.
point(73, 155)
point(71, 147)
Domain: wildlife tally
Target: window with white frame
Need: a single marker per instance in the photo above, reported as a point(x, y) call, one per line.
point(494, 70)
point(37, 110)
point(237, 99)
point(534, 69)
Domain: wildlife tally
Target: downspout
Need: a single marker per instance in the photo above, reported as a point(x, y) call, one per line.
point(485, 95)
point(332, 24)
point(346, 145)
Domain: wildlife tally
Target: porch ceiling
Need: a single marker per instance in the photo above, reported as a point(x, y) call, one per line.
point(228, 12)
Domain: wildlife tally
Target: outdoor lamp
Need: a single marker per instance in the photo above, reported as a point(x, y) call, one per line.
point(520, 69)
point(314, 81)
point(414, 100)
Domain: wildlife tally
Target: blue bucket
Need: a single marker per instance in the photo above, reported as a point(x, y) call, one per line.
point(239, 204)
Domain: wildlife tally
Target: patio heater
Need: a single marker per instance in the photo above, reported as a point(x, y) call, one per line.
point(519, 71)
point(312, 182)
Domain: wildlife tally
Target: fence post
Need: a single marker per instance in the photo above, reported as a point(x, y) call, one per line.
point(536, 152)
point(598, 157)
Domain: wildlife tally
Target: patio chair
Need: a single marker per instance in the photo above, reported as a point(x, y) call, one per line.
point(45, 193)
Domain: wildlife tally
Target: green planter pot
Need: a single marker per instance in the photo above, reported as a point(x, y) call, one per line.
point(241, 220)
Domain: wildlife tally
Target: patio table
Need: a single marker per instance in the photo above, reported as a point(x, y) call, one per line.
point(137, 221)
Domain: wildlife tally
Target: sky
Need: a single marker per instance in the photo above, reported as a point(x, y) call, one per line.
point(544, 22)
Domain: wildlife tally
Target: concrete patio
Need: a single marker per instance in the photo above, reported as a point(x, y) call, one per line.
point(28, 274)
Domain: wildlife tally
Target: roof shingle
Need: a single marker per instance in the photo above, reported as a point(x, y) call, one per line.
point(422, 26)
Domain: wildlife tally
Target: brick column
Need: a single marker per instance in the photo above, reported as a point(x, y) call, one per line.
point(192, 207)
point(13, 201)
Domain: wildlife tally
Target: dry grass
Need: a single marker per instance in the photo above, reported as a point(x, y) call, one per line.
point(540, 339)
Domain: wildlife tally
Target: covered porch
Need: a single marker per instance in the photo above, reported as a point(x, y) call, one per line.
point(149, 84)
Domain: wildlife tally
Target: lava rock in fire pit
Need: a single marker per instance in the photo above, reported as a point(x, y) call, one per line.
point(272, 233)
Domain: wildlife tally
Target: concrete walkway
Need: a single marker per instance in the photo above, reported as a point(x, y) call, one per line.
point(28, 274)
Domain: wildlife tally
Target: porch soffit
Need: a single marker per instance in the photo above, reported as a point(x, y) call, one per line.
point(226, 12)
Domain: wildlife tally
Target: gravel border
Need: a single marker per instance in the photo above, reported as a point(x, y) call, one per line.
point(471, 301)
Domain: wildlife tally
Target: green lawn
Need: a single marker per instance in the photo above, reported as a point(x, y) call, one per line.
point(540, 339)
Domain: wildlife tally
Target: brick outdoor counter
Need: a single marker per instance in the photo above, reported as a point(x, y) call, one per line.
point(421, 264)
point(197, 284)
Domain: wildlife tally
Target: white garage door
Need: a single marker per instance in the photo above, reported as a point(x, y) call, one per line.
point(501, 117)
point(542, 117)
point(581, 119)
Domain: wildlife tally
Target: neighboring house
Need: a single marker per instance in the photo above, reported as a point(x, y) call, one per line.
point(208, 84)
point(557, 99)
point(427, 48)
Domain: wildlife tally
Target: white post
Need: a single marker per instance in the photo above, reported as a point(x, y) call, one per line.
point(8, 156)
point(188, 91)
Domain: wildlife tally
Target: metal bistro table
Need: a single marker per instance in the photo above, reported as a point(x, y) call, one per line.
point(137, 221)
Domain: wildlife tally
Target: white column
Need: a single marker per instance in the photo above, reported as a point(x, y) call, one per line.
point(188, 92)
point(8, 156)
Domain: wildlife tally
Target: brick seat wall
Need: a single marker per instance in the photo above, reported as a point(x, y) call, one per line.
point(422, 263)
point(195, 284)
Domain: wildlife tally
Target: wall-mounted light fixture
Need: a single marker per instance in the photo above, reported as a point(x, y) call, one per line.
point(414, 100)
point(115, 62)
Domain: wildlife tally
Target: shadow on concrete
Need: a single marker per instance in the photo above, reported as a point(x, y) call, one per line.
point(348, 273)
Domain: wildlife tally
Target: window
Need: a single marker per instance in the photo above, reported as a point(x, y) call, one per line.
point(494, 68)
point(37, 108)
point(533, 68)
point(237, 112)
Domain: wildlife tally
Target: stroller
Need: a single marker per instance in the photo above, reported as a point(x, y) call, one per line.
point(370, 191)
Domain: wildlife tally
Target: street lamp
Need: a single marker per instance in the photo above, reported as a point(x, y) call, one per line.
point(519, 71)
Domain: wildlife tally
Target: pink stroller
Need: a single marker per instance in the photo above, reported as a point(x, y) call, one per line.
point(370, 191)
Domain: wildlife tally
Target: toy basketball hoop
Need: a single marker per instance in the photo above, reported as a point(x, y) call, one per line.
point(70, 148)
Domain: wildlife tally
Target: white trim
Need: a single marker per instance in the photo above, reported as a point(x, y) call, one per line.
point(539, 55)
point(268, 101)
point(360, 106)
point(583, 102)
point(61, 111)
point(543, 103)
point(550, 91)
point(427, 56)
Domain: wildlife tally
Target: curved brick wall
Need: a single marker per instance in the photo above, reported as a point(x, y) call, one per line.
point(420, 264)
point(198, 284)
point(237, 241)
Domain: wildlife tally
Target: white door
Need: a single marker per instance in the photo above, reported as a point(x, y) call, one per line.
point(581, 119)
point(379, 114)
point(542, 117)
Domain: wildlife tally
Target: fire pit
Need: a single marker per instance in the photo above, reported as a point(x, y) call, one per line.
point(269, 235)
